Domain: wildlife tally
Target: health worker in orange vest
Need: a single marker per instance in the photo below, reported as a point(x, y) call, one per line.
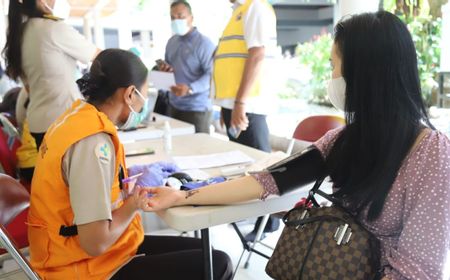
point(84, 220)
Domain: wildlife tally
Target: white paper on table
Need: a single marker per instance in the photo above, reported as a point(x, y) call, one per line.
point(267, 161)
point(197, 174)
point(162, 80)
point(212, 160)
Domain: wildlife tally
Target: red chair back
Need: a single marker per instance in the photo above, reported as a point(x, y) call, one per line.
point(313, 128)
point(9, 142)
point(14, 202)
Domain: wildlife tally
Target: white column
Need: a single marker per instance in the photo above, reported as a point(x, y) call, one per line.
point(124, 28)
point(159, 22)
point(349, 7)
point(87, 30)
point(146, 45)
point(445, 43)
point(98, 29)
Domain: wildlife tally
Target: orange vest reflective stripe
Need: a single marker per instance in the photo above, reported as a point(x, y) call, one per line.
point(54, 256)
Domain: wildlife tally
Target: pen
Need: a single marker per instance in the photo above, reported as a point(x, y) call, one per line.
point(131, 178)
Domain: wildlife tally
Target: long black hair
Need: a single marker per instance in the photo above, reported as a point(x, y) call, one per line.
point(110, 70)
point(384, 108)
point(17, 14)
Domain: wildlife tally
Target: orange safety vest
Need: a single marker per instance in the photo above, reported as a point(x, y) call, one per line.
point(54, 256)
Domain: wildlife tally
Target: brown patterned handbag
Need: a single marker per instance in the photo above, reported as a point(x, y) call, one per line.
point(324, 243)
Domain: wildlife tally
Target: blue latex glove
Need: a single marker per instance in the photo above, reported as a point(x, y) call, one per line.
point(198, 184)
point(153, 174)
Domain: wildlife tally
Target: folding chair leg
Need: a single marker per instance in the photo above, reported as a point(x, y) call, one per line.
point(245, 244)
point(16, 254)
point(259, 233)
point(238, 263)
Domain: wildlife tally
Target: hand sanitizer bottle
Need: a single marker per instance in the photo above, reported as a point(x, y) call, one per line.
point(167, 137)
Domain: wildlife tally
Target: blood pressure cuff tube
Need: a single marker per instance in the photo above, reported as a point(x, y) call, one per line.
point(298, 170)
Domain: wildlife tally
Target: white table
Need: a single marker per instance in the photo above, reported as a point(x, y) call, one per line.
point(188, 218)
point(155, 129)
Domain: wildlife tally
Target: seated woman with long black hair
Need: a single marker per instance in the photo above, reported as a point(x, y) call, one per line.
point(388, 163)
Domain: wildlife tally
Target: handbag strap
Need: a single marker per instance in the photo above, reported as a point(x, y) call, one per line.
point(315, 190)
point(300, 222)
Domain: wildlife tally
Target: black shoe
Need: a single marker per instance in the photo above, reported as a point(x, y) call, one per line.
point(252, 235)
point(273, 224)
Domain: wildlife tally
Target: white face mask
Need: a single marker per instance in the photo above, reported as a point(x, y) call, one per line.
point(180, 27)
point(61, 9)
point(336, 92)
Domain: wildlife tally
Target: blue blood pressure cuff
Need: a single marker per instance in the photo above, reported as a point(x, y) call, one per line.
point(298, 170)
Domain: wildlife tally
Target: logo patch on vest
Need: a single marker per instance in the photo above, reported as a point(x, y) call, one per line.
point(103, 152)
point(239, 16)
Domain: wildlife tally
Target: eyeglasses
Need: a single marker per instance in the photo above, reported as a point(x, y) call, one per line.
point(140, 94)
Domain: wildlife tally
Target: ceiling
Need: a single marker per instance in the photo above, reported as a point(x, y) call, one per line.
point(79, 8)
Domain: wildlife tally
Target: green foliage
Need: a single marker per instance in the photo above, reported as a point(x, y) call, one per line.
point(142, 4)
point(426, 34)
point(315, 55)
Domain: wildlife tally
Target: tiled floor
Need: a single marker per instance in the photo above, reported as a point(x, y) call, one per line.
point(222, 237)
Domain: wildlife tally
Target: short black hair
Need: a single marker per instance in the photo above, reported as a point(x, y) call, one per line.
point(181, 2)
point(110, 70)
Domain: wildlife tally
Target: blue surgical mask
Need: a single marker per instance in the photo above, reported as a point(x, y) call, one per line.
point(144, 112)
point(135, 118)
point(132, 121)
point(180, 27)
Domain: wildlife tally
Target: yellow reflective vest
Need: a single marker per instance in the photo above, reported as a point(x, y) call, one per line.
point(27, 152)
point(231, 55)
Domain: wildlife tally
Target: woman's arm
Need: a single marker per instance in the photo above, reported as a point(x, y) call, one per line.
point(422, 250)
point(96, 237)
point(240, 189)
point(285, 176)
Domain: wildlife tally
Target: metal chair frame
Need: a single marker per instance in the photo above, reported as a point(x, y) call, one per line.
point(18, 202)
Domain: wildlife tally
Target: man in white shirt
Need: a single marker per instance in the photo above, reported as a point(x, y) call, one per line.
point(240, 83)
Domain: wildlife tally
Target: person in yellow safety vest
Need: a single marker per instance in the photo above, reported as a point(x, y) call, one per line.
point(26, 154)
point(242, 87)
point(84, 220)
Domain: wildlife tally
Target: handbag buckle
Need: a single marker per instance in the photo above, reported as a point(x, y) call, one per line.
point(305, 215)
point(343, 234)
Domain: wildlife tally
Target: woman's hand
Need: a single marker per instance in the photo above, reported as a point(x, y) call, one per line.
point(163, 198)
point(138, 200)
